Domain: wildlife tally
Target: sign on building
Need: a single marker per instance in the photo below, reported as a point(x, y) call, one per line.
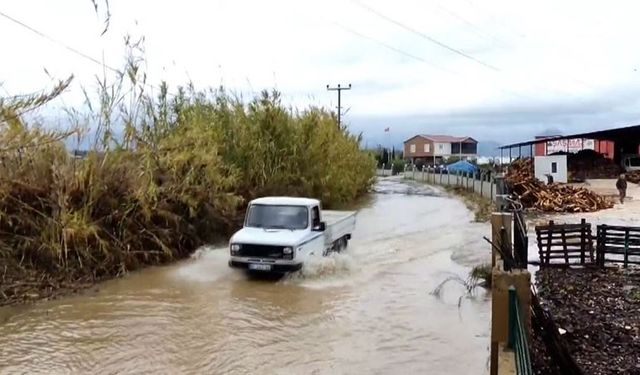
point(570, 145)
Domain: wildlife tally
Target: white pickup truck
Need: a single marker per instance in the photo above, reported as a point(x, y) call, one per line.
point(281, 233)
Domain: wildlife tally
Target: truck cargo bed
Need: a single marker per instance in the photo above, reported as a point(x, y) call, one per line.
point(339, 224)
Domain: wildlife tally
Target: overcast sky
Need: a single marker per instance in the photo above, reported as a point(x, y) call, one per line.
point(492, 69)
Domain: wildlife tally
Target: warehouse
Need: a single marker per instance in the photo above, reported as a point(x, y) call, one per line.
point(575, 157)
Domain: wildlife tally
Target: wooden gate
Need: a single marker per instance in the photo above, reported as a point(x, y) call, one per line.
point(617, 244)
point(562, 245)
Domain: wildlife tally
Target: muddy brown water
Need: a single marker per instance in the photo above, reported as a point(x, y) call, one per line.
point(366, 311)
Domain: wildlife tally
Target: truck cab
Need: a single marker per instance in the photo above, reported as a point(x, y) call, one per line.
point(280, 233)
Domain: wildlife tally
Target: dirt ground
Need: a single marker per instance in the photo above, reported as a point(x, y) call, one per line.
point(599, 309)
point(599, 312)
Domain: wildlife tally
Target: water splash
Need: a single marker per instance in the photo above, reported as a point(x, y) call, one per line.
point(207, 264)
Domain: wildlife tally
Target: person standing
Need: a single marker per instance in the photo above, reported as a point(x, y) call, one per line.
point(621, 184)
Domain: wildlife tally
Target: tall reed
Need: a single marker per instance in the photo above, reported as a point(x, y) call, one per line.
point(177, 177)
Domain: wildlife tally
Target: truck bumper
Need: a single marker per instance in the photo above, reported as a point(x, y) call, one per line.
point(277, 268)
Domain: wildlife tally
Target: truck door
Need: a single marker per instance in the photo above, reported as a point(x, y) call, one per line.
point(316, 245)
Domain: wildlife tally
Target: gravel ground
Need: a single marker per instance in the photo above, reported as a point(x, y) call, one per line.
point(600, 311)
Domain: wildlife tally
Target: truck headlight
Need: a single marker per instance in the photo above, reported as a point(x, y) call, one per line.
point(235, 248)
point(287, 251)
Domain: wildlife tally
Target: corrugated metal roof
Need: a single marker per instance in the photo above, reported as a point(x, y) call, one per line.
point(615, 135)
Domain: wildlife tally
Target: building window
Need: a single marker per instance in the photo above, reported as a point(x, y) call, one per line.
point(441, 147)
point(554, 167)
point(427, 147)
point(412, 148)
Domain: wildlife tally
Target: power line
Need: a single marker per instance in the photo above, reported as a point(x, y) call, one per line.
point(71, 49)
point(425, 36)
point(441, 44)
point(422, 60)
point(477, 30)
point(43, 35)
point(517, 33)
point(394, 49)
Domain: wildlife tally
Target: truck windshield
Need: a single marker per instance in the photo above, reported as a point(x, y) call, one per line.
point(277, 217)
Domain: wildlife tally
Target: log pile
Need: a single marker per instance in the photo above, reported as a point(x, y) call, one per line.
point(588, 164)
point(536, 195)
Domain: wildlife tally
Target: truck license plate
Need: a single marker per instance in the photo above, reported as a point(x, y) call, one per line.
point(260, 267)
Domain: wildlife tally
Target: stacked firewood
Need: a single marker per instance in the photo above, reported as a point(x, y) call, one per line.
point(536, 195)
point(588, 164)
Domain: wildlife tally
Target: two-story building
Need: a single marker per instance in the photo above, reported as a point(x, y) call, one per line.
point(433, 149)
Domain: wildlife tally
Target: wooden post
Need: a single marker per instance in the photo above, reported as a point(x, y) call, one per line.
point(499, 220)
point(495, 347)
point(626, 247)
point(564, 246)
point(549, 242)
point(583, 240)
point(600, 247)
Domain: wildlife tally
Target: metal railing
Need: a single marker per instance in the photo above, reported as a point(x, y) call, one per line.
point(518, 340)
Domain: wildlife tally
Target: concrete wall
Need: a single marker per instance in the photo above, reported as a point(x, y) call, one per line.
point(542, 166)
point(383, 172)
point(480, 185)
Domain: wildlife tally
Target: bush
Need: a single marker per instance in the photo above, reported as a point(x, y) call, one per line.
point(179, 178)
point(397, 166)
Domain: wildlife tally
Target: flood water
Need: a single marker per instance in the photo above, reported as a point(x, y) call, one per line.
point(367, 311)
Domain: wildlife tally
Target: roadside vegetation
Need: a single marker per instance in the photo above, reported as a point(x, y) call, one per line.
point(177, 176)
point(480, 206)
point(478, 277)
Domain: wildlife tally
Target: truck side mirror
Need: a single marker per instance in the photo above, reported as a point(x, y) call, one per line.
point(320, 227)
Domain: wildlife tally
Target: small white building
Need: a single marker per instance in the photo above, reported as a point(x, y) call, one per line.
point(554, 165)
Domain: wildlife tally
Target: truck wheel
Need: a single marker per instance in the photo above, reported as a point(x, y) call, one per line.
point(341, 244)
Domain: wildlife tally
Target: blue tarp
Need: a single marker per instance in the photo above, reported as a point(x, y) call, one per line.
point(462, 166)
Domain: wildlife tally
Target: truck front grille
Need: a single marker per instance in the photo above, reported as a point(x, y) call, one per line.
point(261, 251)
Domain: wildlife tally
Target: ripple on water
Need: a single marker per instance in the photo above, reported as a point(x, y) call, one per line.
point(367, 310)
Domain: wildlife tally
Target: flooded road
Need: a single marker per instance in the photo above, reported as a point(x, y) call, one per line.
point(366, 311)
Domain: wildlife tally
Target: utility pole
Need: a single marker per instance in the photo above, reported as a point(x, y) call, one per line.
point(339, 90)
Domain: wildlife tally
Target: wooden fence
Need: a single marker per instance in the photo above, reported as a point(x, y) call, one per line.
point(565, 244)
point(616, 244)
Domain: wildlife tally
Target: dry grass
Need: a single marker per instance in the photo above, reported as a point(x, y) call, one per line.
point(179, 178)
point(480, 206)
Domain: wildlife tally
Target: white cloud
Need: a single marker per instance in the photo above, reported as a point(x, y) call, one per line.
point(548, 54)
